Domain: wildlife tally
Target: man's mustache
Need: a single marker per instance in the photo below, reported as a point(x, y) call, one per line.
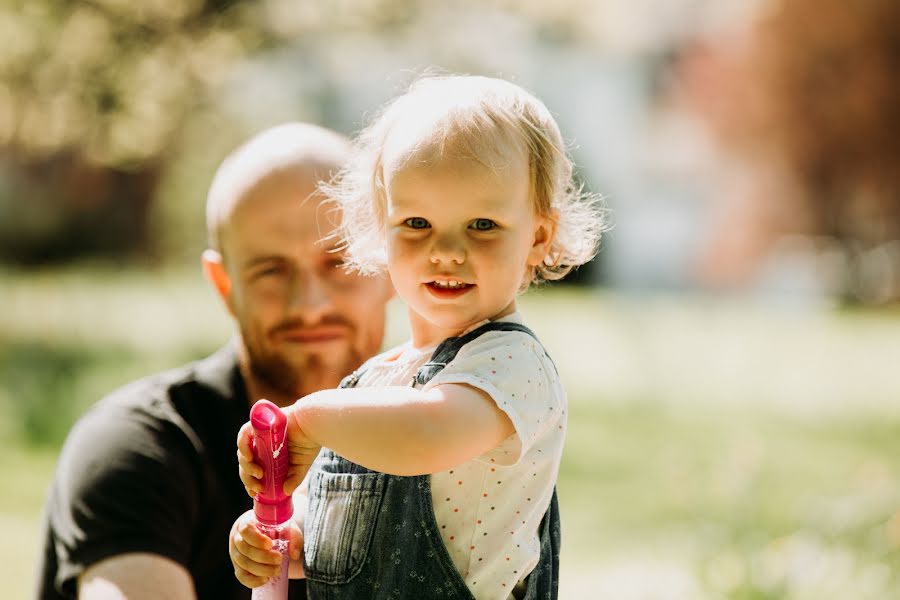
point(327, 321)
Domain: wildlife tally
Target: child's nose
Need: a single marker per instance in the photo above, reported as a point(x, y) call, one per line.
point(447, 249)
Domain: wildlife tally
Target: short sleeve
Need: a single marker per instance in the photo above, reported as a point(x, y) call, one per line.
point(512, 368)
point(125, 482)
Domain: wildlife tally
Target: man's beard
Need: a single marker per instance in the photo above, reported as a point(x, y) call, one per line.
point(300, 377)
point(275, 373)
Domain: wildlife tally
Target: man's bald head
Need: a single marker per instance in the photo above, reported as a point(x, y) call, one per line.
point(292, 150)
point(303, 322)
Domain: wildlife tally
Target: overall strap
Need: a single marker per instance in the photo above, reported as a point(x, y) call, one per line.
point(449, 348)
point(443, 354)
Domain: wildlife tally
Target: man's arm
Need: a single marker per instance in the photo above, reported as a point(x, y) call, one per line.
point(125, 489)
point(136, 576)
point(403, 430)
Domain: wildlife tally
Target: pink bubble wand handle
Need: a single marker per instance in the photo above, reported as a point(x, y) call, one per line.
point(272, 507)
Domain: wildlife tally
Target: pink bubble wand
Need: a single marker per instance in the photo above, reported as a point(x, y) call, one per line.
point(273, 508)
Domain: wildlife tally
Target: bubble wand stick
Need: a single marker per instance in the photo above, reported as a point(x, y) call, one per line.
point(272, 507)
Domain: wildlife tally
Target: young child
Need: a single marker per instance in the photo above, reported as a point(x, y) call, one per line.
point(435, 475)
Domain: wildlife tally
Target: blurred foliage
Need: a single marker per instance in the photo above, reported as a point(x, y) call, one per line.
point(60, 378)
point(96, 97)
point(114, 113)
point(111, 81)
point(92, 97)
point(810, 93)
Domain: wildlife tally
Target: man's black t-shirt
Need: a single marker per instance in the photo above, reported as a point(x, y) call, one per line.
point(152, 468)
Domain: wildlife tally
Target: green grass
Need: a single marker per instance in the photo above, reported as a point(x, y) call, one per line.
point(717, 449)
point(768, 500)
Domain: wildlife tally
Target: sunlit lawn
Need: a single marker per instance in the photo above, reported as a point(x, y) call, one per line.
point(716, 449)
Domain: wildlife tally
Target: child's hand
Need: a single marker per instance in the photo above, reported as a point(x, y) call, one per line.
point(252, 556)
point(302, 451)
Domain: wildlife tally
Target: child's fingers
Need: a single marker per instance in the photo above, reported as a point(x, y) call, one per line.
point(246, 462)
point(296, 471)
point(295, 546)
point(293, 480)
point(250, 534)
point(248, 579)
point(251, 484)
point(254, 560)
point(249, 472)
point(243, 441)
point(248, 465)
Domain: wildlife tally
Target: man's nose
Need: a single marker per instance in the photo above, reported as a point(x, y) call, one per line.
point(310, 296)
point(447, 249)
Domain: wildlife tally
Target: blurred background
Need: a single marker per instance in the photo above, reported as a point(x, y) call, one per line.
point(731, 354)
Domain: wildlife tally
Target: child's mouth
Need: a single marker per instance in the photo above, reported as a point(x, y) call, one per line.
point(448, 288)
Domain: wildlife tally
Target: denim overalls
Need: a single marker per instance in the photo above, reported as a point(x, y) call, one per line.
point(373, 535)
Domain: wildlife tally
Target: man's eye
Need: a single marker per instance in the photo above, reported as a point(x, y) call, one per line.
point(272, 271)
point(483, 224)
point(416, 223)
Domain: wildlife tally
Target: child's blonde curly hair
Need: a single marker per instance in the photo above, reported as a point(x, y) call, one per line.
point(475, 118)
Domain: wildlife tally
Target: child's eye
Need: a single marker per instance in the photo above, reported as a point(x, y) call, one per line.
point(482, 224)
point(416, 223)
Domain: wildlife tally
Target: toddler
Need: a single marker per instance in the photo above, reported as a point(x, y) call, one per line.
point(439, 457)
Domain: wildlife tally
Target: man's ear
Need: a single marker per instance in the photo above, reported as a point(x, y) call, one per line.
point(215, 272)
point(544, 234)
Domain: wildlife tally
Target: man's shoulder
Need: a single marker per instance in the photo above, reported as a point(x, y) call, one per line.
point(138, 429)
point(158, 405)
point(134, 470)
point(210, 376)
point(150, 387)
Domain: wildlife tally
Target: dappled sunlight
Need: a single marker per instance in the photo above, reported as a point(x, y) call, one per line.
point(798, 567)
point(706, 352)
point(640, 578)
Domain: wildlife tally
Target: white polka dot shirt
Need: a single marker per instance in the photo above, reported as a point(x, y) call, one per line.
point(488, 509)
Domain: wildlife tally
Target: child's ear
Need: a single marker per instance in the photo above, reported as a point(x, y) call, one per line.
point(214, 269)
point(544, 234)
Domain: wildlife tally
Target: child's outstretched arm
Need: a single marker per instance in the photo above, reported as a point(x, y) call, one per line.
point(398, 430)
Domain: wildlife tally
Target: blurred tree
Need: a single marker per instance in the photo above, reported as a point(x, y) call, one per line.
point(96, 96)
point(92, 96)
point(811, 93)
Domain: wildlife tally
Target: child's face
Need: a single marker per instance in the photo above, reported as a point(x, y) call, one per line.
point(459, 238)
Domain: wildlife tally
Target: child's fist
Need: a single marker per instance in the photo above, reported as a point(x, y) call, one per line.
point(250, 473)
point(252, 552)
point(302, 451)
